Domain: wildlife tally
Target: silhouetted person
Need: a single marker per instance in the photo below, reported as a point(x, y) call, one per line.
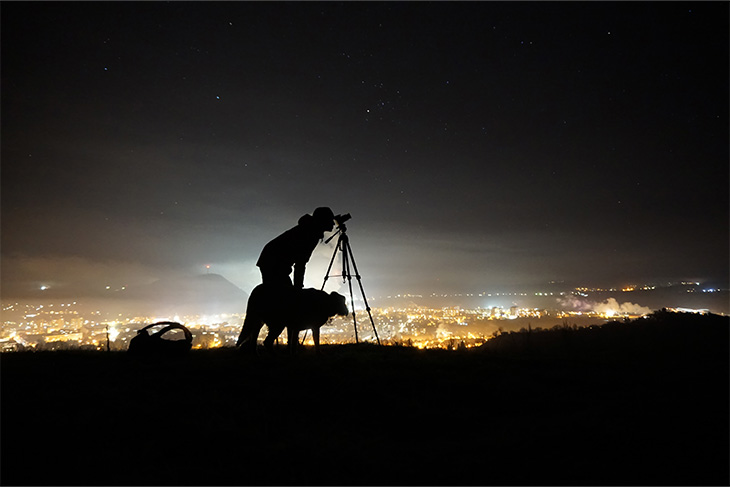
point(293, 248)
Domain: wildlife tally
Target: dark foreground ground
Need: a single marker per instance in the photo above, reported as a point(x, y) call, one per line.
point(628, 404)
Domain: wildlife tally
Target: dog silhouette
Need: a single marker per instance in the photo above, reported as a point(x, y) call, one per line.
point(305, 309)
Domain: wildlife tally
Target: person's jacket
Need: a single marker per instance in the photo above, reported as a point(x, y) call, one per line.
point(292, 248)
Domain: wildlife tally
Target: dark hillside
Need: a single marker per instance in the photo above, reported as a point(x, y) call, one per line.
point(640, 403)
point(663, 335)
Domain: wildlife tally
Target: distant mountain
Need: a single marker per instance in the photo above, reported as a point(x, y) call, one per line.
point(200, 294)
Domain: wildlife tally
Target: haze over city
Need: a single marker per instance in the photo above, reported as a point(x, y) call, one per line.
point(479, 146)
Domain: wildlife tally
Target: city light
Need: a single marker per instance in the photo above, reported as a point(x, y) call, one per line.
point(49, 325)
point(113, 333)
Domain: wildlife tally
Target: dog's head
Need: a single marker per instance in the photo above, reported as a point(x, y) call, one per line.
point(338, 305)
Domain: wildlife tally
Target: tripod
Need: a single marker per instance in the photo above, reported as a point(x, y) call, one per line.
point(343, 246)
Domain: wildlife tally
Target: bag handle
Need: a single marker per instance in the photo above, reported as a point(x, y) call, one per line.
point(171, 325)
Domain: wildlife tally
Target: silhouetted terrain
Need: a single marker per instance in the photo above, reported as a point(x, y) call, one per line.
point(639, 403)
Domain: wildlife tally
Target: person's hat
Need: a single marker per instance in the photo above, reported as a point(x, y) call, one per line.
point(323, 213)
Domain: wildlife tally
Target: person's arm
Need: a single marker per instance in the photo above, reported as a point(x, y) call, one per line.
point(299, 269)
point(304, 251)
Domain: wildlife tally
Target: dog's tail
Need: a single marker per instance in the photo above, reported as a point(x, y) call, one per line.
point(250, 330)
point(253, 322)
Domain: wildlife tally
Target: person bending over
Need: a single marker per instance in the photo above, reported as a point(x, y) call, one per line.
point(293, 248)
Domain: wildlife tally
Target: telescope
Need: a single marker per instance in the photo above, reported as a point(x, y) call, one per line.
point(341, 219)
point(341, 228)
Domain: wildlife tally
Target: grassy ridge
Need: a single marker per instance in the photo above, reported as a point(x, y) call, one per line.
point(641, 403)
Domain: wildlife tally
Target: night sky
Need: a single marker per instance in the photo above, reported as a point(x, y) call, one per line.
point(478, 146)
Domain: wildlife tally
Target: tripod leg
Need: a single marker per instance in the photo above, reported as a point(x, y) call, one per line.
point(346, 272)
point(362, 291)
point(329, 268)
